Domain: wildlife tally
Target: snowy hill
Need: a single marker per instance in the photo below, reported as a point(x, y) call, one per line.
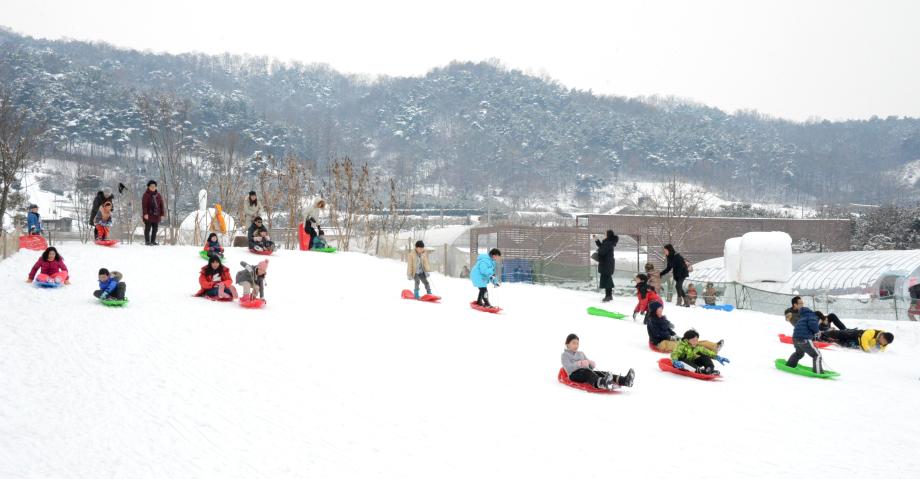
point(339, 377)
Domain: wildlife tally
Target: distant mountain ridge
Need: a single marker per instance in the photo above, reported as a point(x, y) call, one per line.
point(465, 127)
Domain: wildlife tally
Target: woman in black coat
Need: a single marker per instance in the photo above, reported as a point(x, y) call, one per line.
point(606, 263)
point(677, 263)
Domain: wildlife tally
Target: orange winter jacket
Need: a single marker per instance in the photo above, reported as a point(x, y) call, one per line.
point(208, 283)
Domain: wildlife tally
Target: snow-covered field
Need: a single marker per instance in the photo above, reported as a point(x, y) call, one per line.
point(339, 377)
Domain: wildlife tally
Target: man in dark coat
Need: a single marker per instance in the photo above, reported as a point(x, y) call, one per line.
point(606, 263)
point(677, 264)
point(103, 196)
point(152, 209)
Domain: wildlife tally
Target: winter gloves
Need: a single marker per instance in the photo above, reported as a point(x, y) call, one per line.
point(677, 364)
point(722, 361)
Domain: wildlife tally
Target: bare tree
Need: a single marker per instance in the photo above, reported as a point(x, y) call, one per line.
point(350, 198)
point(165, 120)
point(226, 170)
point(674, 204)
point(20, 135)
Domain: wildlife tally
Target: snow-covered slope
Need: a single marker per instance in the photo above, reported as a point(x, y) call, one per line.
point(339, 377)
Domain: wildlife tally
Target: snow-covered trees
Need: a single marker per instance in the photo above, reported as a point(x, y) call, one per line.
point(888, 227)
point(20, 134)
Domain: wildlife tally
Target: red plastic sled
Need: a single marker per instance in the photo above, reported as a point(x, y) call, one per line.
point(254, 304)
point(33, 242)
point(788, 340)
point(665, 365)
point(564, 379)
point(106, 242)
point(266, 252)
point(477, 307)
point(303, 237)
point(428, 298)
point(655, 348)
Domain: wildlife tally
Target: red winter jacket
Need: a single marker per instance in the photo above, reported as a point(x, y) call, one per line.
point(206, 282)
point(47, 267)
point(152, 206)
point(650, 295)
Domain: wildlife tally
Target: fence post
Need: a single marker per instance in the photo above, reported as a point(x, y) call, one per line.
point(445, 256)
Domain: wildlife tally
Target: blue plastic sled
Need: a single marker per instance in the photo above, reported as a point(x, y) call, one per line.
point(52, 284)
point(719, 307)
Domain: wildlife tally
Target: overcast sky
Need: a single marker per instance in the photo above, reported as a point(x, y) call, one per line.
point(833, 59)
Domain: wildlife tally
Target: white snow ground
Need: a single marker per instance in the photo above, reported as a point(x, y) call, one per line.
point(339, 378)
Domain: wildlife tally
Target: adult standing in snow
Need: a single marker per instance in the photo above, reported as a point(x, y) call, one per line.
point(678, 265)
point(102, 196)
point(152, 209)
point(251, 209)
point(606, 263)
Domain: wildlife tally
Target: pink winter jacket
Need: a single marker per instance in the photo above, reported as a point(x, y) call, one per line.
point(47, 267)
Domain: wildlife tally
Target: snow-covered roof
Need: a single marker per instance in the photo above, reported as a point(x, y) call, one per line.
point(844, 272)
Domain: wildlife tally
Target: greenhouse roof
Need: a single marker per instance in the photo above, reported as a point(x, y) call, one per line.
point(844, 271)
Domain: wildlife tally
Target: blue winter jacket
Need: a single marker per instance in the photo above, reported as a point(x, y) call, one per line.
point(482, 271)
point(35, 223)
point(807, 326)
point(108, 286)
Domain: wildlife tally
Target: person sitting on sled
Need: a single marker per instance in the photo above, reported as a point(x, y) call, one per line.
point(103, 221)
point(661, 332)
point(110, 285)
point(310, 231)
point(252, 278)
point(418, 267)
point(215, 280)
point(483, 273)
point(251, 233)
point(869, 340)
point(212, 245)
point(320, 240)
point(690, 353)
point(34, 221)
point(51, 268)
point(581, 369)
point(262, 241)
point(646, 294)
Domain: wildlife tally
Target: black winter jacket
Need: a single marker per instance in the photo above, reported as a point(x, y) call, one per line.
point(679, 265)
point(605, 260)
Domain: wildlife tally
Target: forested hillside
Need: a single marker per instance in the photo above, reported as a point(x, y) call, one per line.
point(463, 127)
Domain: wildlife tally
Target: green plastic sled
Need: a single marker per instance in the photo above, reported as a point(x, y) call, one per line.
point(113, 303)
point(602, 312)
point(804, 370)
point(204, 254)
point(328, 249)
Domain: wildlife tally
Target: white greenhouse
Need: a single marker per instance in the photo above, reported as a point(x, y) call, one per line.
point(874, 274)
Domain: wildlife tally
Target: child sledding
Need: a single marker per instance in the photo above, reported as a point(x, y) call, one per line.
point(212, 246)
point(112, 289)
point(579, 371)
point(259, 240)
point(215, 281)
point(103, 222)
point(690, 355)
point(50, 268)
point(661, 335)
point(868, 340)
point(252, 279)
